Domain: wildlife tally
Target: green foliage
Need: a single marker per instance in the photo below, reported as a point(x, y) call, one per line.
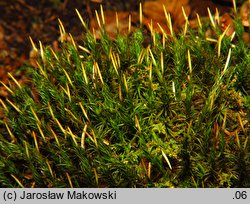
point(117, 113)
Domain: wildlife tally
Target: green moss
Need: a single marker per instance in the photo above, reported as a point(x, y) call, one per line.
point(122, 114)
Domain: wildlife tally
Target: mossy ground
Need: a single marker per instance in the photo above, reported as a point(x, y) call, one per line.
point(172, 112)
